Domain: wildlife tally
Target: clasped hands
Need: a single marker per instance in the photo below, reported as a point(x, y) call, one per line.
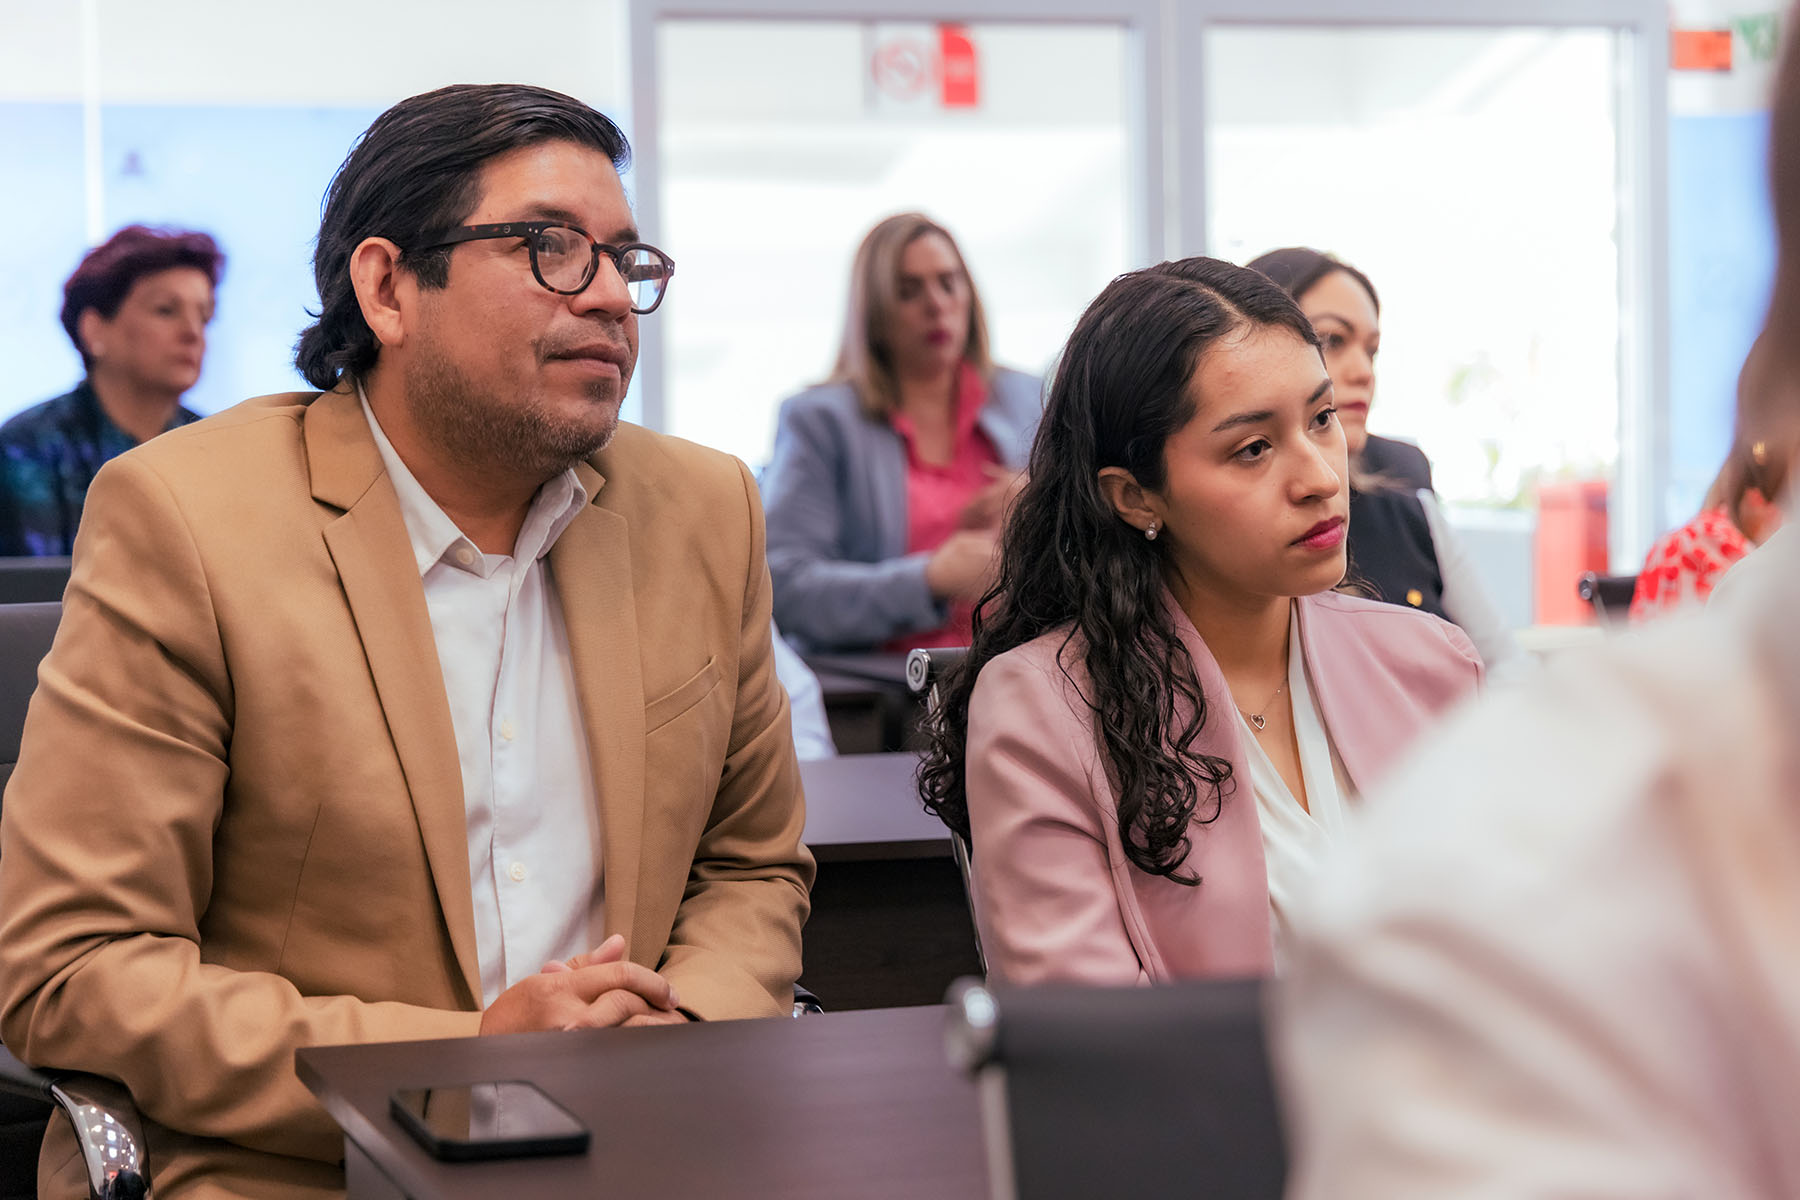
point(595, 990)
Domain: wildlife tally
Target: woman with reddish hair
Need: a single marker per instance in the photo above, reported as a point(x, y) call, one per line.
point(137, 309)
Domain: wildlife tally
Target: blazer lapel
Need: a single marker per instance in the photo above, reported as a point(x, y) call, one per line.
point(590, 565)
point(374, 558)
point(1360, 716)
point(886, 480)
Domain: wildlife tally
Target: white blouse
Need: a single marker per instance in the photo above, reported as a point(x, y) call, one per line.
point(1295, 840)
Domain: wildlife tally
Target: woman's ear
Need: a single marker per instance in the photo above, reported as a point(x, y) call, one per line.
point(92, 327)
point(1135, 506)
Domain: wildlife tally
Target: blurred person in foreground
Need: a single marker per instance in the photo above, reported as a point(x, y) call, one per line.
point(1741, 511)
point(137, 308)
point(1564, 958)
point(437, 702)
point(887, 483)
point(1166, 711)
point(1402, 546)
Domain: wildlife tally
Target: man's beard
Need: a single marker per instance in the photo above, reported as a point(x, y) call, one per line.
point(488, 432)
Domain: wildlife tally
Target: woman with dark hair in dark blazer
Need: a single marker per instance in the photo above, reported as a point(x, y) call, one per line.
point(887, 484)
point(1402, 547)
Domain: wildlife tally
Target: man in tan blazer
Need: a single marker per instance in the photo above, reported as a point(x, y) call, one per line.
point(271, 778)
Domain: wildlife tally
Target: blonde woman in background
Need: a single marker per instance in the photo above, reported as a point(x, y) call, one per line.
point(886, 487)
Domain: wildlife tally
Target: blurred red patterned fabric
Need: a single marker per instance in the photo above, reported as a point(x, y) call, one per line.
point(1685, 564)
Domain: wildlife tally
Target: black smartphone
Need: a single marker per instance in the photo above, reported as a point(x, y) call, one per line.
point(506, 1119)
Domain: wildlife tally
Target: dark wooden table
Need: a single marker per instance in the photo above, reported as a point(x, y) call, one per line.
point(863, 806)
point(844, 1106)
point(890, 924)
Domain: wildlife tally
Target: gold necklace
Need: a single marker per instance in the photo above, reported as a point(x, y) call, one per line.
point(1258, 719)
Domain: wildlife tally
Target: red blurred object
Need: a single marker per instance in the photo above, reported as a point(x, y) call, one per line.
point(1700, 49)
point(957, 68)
point(1571, 539)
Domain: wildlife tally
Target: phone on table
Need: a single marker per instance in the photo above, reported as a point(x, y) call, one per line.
point(504, 1119)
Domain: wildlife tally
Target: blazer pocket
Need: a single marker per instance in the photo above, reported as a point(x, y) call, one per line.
point(666, 708)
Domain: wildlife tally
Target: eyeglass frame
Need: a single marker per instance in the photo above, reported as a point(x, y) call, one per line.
point(456, 236)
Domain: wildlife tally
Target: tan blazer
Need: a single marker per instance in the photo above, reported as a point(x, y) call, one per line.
point(236, 827)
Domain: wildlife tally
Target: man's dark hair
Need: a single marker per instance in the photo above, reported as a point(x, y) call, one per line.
point(417, 169)
point(106, 273)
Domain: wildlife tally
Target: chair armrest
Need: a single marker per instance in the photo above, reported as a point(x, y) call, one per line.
point(104, 1118)
point(925, 670)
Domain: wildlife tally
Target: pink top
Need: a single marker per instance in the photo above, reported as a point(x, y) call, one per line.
point(1055, 896)
point(936, 496)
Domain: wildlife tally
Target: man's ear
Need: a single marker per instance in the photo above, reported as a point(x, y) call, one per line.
point(1135, 506)
point(384, 291)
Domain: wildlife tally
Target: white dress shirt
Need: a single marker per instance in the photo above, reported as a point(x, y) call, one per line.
point(1558, 954)
point(528, 786)
point(1295, 839)
point(806, 702)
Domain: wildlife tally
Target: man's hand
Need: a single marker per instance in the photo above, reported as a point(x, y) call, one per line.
point(595, 990)
point(656, 1018)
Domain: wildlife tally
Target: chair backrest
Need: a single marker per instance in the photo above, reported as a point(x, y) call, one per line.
point(1609, 594)
point(1133, 1091)
point(925, 671)
point(26, 631)
point(33, 580)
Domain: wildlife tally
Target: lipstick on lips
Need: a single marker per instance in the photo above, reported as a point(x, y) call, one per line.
point(1326, 535)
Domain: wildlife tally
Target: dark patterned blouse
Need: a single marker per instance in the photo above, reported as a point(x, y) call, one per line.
point(48, 457)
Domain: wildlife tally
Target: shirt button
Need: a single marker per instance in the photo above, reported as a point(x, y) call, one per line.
point(506, 729)
point(464, 555)
point(517, 871)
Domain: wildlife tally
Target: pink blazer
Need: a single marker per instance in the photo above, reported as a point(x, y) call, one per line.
point(1055, 896)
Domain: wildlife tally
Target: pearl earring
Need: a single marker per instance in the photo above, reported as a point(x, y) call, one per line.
point(1151, 532)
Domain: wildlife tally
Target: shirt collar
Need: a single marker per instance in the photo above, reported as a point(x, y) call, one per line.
point(971, 395)
point(436, 538)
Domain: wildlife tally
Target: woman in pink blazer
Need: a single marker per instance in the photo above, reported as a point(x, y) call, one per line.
point(1166, 709)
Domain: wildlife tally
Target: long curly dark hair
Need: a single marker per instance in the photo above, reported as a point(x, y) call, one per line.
point(1067, 560)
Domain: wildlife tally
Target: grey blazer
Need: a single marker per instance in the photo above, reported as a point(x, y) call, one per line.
point(835, 495)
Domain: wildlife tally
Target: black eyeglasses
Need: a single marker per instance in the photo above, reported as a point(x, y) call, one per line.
point(565, 258)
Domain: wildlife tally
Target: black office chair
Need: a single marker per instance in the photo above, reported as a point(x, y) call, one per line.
point(1609, 594)
point(1130, 1091)
point(105, 1120)
point(925, 672)
point(33, 580)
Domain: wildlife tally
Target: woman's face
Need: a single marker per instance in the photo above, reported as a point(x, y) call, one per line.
point(157, 339)
point(1350, 329)
point(1255, 502)
point(928, 326)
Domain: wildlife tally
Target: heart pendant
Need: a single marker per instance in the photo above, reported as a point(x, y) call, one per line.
point(1259, 722)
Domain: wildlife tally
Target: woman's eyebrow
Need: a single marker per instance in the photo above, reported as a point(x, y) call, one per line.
point(1267, 414)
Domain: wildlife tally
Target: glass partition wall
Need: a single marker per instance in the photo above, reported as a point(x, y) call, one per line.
point(782, 138)
point(1497, 170)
